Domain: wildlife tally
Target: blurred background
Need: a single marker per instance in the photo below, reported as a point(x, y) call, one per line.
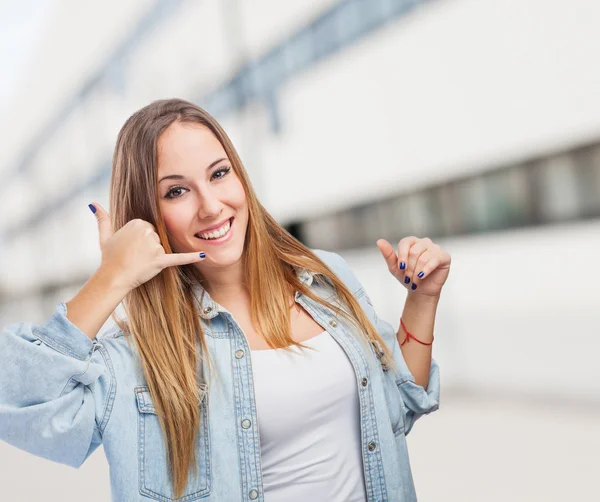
point(473, 122)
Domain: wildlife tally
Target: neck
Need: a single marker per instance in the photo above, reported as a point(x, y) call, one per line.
point(225, 284)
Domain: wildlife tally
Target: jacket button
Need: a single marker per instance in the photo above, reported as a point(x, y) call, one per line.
point(207, 310)
point(246, 423)
point(372, 446)
point(333, 323)
point(253, 494)
point(239, 354)
point(364, 382)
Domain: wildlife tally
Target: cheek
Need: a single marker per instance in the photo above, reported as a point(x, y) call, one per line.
point(240, 195)
point(170, 224)
point(174, 222)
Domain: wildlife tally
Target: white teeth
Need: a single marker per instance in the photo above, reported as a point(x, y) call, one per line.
point(216, 233)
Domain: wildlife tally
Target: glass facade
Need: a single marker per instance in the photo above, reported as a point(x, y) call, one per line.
point(561, 187)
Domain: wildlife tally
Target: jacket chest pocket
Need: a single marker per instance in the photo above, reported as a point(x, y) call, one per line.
point(154, 479)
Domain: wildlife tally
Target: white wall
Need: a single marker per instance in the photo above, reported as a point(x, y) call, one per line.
point(455, 87)
point(76, 40)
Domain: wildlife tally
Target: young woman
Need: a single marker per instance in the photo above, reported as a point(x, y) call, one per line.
point(248, 366)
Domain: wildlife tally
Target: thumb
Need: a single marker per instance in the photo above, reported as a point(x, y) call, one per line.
point(173, 259)
point(388, 254)
point(104, 225)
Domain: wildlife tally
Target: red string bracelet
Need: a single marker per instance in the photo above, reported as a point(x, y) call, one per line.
point(410, 335)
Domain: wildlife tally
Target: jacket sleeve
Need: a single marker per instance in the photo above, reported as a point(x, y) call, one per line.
point(417, 401)
point(55, 388)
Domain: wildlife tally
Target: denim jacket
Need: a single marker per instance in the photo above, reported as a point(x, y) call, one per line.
point(62, 395)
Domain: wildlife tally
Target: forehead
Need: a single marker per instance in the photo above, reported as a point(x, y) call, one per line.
point(187, 145)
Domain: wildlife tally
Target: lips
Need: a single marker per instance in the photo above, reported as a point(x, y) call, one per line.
point(212, 230)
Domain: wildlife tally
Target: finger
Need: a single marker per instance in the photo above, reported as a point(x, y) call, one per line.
point(427, 263)
point(174, 259)
point(414, 254)
point(105, 229)
point(404, 247)
point(389, 255)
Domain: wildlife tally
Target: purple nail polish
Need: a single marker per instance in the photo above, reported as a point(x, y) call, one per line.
point(421, 274)
point(203, 255)
point(92, 208)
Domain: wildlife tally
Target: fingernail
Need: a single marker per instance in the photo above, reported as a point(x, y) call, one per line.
point(413, 286)
point(421, 274)
point(203, 255)
point(92, 208)
point(406, 280)
point(402, 265)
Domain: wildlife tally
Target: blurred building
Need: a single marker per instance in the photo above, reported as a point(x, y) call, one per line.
point(476, 123)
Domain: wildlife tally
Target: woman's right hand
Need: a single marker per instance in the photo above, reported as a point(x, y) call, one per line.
point(133, 254)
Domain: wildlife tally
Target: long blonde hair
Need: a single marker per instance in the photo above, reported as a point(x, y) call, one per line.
point(162, 314)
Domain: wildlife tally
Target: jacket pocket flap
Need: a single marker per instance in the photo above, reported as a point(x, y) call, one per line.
point(144, 400)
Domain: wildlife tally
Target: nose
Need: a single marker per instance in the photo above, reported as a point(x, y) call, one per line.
point(209, 206)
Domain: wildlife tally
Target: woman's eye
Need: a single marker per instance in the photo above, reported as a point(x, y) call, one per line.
point(223, 170)
point(174, 193)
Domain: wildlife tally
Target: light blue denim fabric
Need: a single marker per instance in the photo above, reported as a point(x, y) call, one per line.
point(62, 395)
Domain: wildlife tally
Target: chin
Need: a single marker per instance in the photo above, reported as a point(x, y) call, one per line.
point(222, 257)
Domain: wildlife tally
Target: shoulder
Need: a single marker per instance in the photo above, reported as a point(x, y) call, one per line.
point(119, 352)
point(111, 332)
point(115, 341)
point(339, 266)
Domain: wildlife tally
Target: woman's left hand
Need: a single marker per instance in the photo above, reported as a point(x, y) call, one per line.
point(421, 266)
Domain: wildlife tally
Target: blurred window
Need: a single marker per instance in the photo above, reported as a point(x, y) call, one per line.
point(325, 36)
point(587, 166)
point(506, 199)
point(559, 189)
point(349, 22)
point(418, 213)
point(273, 69)
point(472, 204)
point(300, 50)
point(450, 220)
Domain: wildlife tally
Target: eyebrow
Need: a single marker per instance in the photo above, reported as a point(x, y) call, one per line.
point(181, 177)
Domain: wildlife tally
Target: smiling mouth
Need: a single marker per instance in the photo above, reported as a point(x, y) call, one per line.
point(198, 236)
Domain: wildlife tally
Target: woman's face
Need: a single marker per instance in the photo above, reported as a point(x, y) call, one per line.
point(198, 190)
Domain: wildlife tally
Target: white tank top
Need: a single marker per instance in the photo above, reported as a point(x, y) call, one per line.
point(309, 422)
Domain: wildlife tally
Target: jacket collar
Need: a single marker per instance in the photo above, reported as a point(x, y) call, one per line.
point(209, 309)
